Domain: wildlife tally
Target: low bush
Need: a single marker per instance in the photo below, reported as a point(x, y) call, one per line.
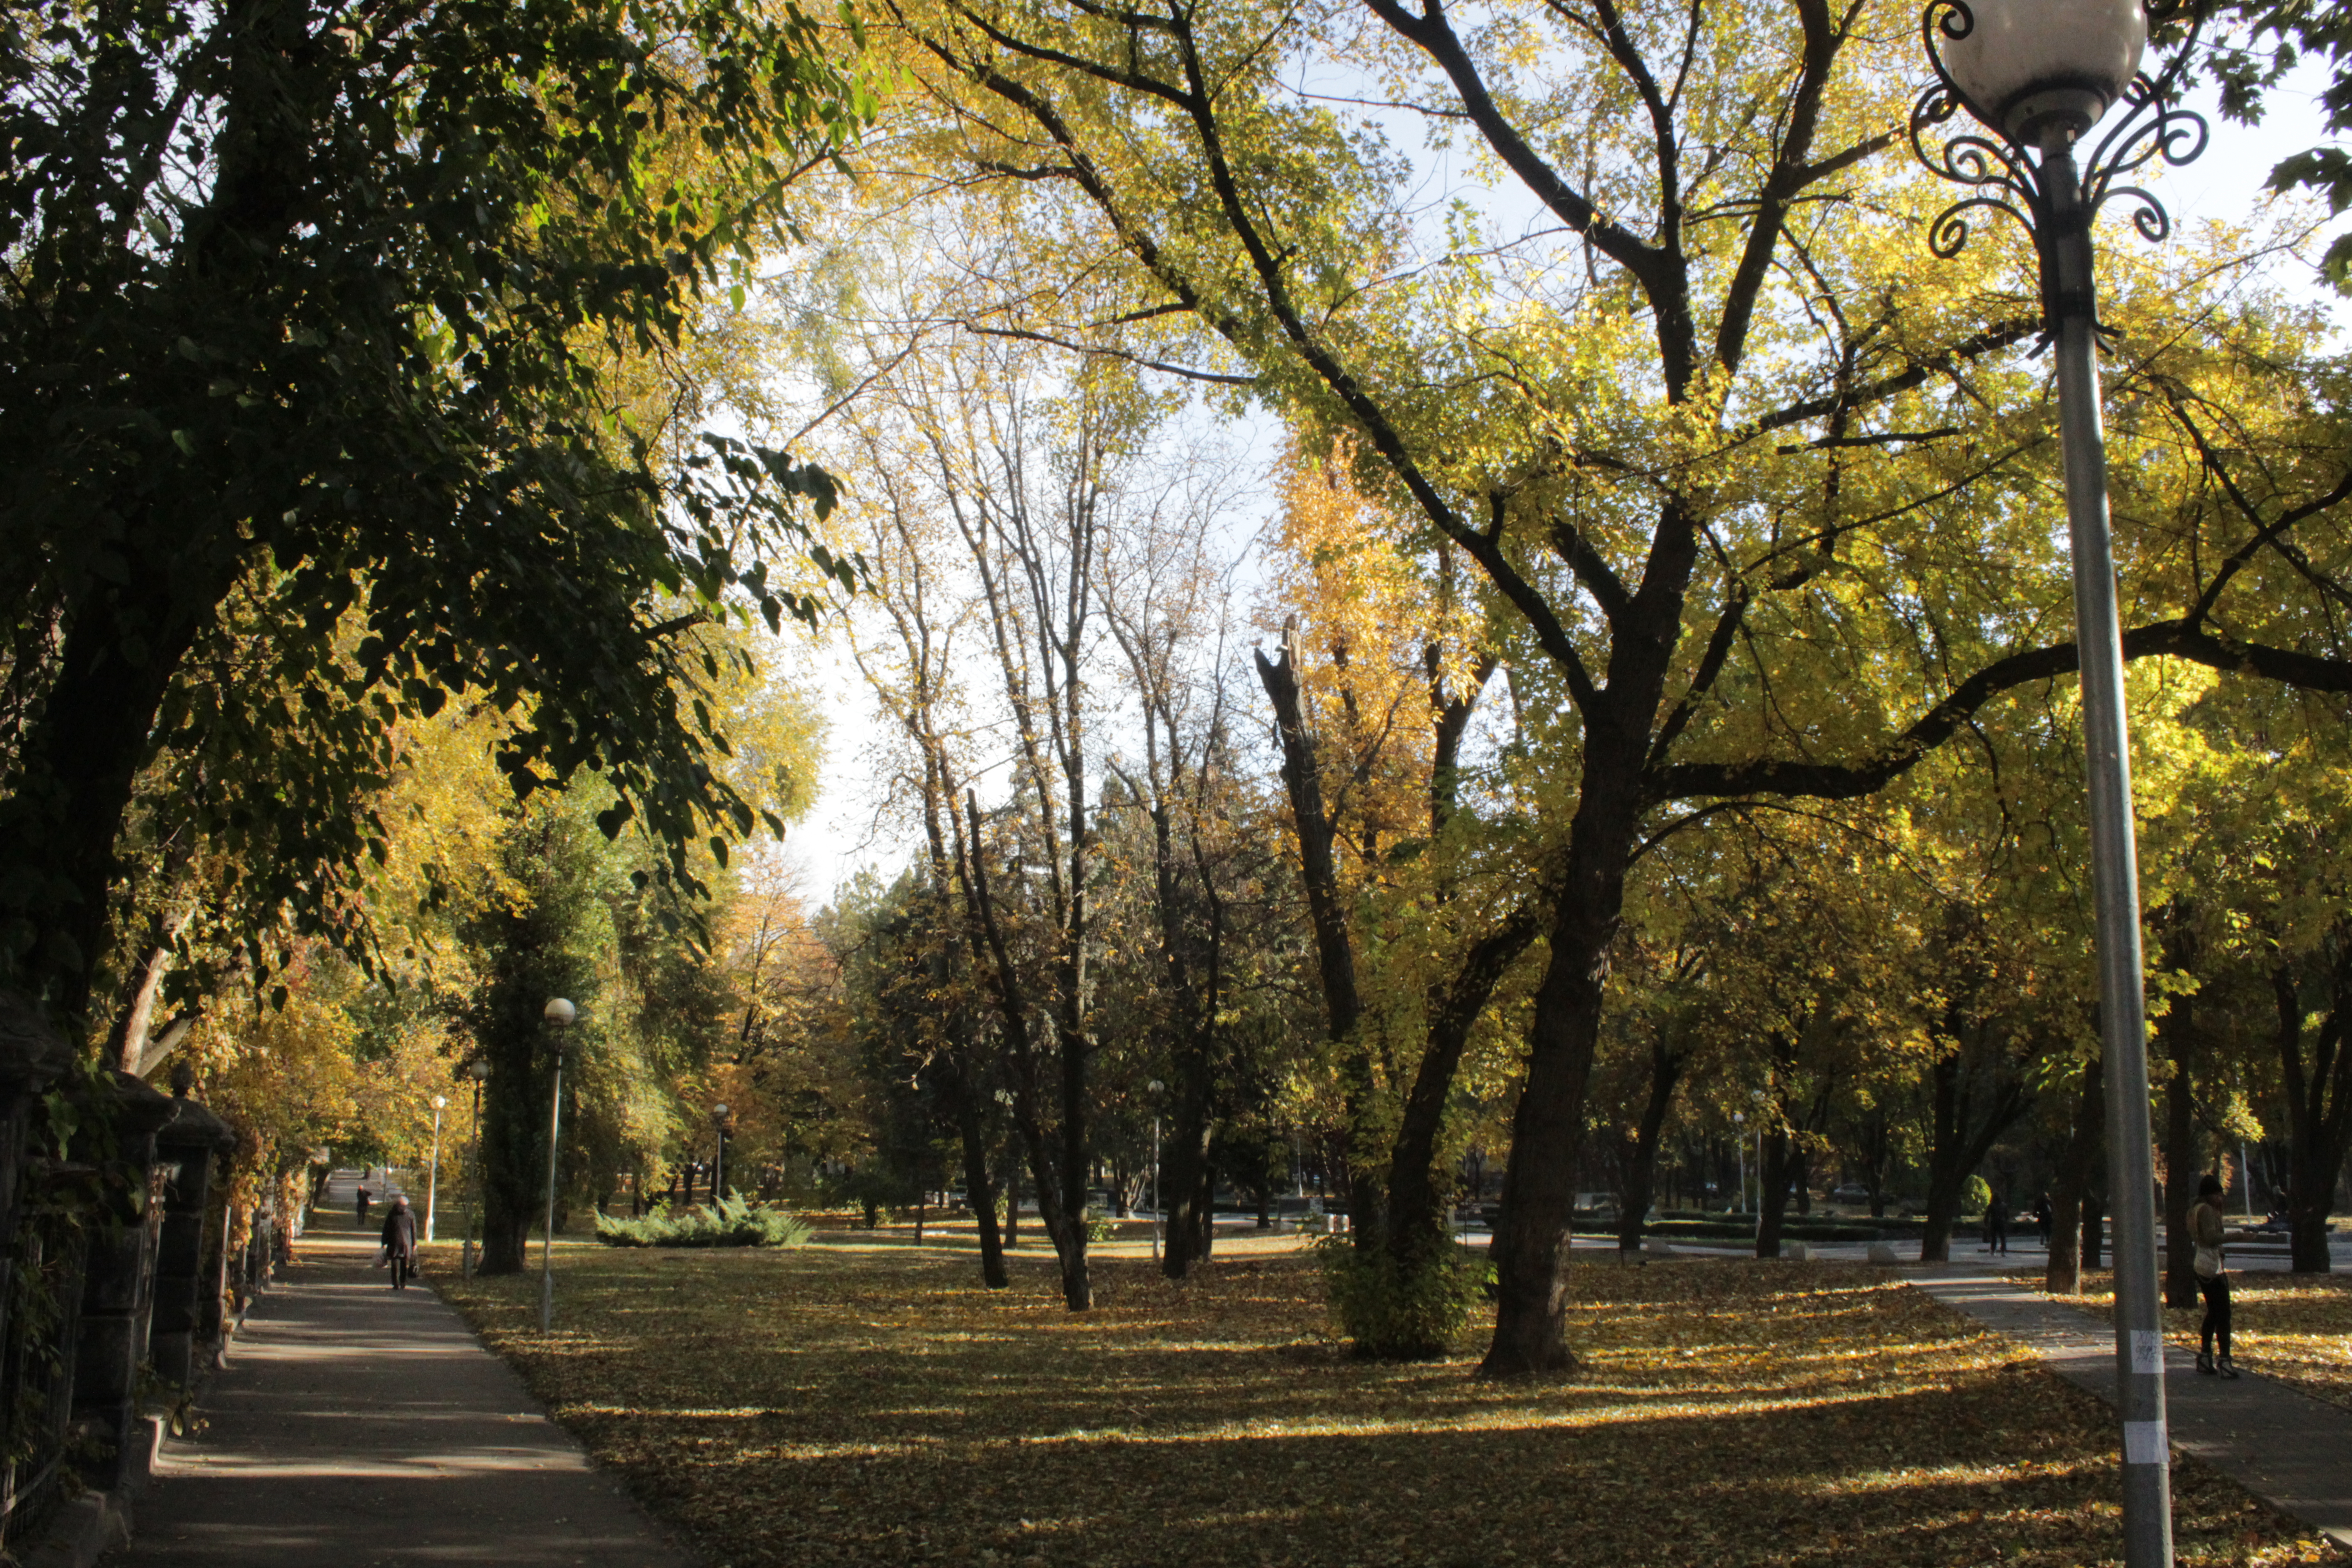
point(1392, 1314)
point(730, 1222)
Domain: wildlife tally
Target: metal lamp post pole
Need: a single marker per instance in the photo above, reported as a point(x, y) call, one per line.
point(1155, 1088)
point(1739, 1156)
point(432, 1179)
point(2114, 862)
point(2042, 78)
point(547, 1243)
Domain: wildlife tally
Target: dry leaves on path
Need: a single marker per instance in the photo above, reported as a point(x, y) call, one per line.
point(843, 1406)
point(2296, 1328)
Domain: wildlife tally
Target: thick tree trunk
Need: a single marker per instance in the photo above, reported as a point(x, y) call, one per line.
point(514, 1155)
point(1772, 1188)
point(1640, 1178)
point(1184, 1197)
point(2319, 1113)
point(75, 766)
point(1416, 1217)
point(978, 1188)
point(1012, 1195)
point(1335, 951)
point(2076, 1170)
point(1963, 1136)
point(1530, 1247)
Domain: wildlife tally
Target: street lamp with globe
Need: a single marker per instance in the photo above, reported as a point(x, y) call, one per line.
point(2039, 77)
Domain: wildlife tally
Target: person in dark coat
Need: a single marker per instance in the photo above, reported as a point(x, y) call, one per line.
point(400, 1241)
point(1996, 1225)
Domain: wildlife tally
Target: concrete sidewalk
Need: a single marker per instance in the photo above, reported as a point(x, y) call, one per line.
point(357, 1426)
point(2283, 1446)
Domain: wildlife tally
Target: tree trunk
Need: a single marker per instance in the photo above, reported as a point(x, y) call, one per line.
point(1417, 1231)
point(1639, 1177)
point(1959, 1143)
point(2076, 1169)
point(1184, 1199)
point(1012, 1196)
point(1335, 951)
point(1530, 1250)
point(2180, 1165)
point(978, 1188)
point(2319, 1113)
point(1772, 1190)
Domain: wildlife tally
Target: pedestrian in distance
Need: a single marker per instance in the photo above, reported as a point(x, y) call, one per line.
point(361, 1203)
point(2045, 1214)
point(2206, 1228)
point(1996, 1225)
point(399, 1242)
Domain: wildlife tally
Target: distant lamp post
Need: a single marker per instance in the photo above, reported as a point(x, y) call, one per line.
point(1739, 1155)
point(1155, 1087)
point(718, 1165)
point(476, 1071)
point(433, 1178)
point(2038, 76)
point(559, 1014)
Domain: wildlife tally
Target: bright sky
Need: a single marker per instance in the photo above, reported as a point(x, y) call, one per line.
point(846, 832)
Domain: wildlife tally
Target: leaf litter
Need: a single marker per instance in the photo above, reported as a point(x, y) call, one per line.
point(853, 1406)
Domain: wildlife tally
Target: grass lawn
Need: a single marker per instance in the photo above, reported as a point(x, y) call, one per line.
point(2296, 1328)
point(855, 1403)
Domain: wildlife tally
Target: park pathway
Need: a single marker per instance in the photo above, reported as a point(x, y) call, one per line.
point(357, 1426)
point(2283, 1446)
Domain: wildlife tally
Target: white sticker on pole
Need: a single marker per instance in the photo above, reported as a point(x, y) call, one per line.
point(2146, 1351)
point(2144, 1443)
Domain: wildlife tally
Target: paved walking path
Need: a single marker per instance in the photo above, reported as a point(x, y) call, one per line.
point(357, 1426)
point(2281, 1445)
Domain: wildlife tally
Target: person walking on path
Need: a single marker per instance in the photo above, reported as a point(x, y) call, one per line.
point(400, 1242)
point(361, 1203)
point(2044, 1211)
point(1996, 1225)
point(2206, 1228)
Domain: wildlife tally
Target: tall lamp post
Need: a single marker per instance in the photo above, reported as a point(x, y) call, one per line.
point(2039, 77)
point(477, 1072)
point(1739, 1155)
point(1154, 1088)
point(433, 1178)
point(559, 1014)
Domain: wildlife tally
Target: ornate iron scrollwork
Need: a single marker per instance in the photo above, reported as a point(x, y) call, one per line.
point(2005, 174)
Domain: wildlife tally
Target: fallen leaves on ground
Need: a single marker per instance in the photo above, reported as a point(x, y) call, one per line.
point(2296, 1328)
point(842, 1407)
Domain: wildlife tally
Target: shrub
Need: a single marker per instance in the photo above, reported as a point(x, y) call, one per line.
point(1976, 1196)
point(730, 1222)
point(1394, 1314)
